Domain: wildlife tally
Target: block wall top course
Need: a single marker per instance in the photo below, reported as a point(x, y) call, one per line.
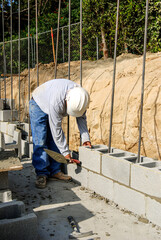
point(146, 178)
point(116, 169)
point(90, 158)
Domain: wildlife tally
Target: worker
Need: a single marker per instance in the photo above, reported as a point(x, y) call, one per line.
point(50, 102)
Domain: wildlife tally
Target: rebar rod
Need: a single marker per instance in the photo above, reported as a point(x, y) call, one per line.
point(69, 38)
point(114, 76)
point(4, 54)
point(11, 60)
point(80, 51)
point(81, 42)
point(29, 65)
point(63, 42)
point(57, 40)
point(32, 54)
point(97, 48)
point(19, 60)
point(37, 47)
point(143, 79)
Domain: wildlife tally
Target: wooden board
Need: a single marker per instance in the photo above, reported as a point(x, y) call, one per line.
point(9, 161)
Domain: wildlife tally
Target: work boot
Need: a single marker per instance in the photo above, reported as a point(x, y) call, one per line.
point(61, 176)
point(41, 181)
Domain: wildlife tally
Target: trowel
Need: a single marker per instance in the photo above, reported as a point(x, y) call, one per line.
point(60, 158)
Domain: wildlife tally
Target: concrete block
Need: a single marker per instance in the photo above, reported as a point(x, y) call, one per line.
point(116, 168)
point(5, 115)
point(11, 128)
point(146, 178)
point(3, 180)
point(8, 138)
point(5, 196)
point(16, 143)
point(4, 127)
point(153, 211)
point(9, 102)
point(26, 127)
point(79, 174)
point(101, 185)
point(2, 141)
point(129, 199)
point(91, 158)
point(24, 148)
point(30, 150)
point(13, 209)
point(24, 228)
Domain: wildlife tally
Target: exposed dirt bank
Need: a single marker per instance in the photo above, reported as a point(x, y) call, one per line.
point(97, 79)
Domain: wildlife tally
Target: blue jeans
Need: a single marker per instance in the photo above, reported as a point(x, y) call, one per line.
point(42, 138)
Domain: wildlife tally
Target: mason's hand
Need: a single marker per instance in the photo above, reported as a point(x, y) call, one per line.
point(68, 156)
point(87, 144)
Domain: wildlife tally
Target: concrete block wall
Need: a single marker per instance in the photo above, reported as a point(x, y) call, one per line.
point(8, 129)
point(117, 177)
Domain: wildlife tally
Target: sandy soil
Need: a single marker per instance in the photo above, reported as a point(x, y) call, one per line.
point(93, 213)
point(97, 79)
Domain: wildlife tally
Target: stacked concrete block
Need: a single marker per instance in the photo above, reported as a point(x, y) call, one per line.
point(5, 196)
point(153, 210)
point(11, 128)
point(146, 178)
point(4, 127)
point(16, 143)
point(6, 116)
point(2, 142)
point(30, 150)
point(129, 199)
point(116, 168)
point(101, 185)
point(24, 148)
point(91, 158)
point(15, 224)
point(79, 174)
point(118, 177)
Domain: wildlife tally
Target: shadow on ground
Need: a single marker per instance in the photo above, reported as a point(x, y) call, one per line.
point(52, 205)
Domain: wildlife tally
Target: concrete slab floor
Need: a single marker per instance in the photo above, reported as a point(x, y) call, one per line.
point(59, 200)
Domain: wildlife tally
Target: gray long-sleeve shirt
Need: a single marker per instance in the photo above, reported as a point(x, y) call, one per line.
point(50, 97)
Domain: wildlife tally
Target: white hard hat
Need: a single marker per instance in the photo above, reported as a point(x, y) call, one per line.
point(77, 101)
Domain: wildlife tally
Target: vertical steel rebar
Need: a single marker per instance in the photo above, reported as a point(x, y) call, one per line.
point(114, 76)
point(81, 42)
point(80, 51)
point(34, 51)
point(4, 54)
point(143, 79)
point(63, 42)
point(19, 60)
point(57, 40)
point(32, 54)
point(69, 36)
point(37, 48)
point(29, 64)
point(11, 60)
point(97, 48)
